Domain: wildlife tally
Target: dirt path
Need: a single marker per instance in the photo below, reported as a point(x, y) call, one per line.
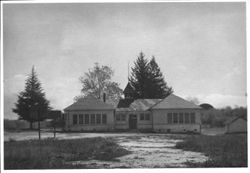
point(148, 150)
point(151, 151)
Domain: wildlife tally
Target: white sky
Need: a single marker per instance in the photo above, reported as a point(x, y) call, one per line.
point(200, 47)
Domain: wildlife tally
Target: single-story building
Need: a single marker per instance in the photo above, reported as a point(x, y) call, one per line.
point(171, 114)
point(236, 125)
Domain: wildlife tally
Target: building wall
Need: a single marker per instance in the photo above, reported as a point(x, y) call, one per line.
point(122, 124)
point(157, 121)
point(161, 124)
point(145, 123)
point(141, 124)
point(238, 125)
point(69, 125)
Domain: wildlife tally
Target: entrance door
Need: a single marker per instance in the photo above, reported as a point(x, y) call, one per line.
point(132, 121)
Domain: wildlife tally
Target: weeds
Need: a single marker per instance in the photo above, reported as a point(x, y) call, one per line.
point(50, 153)
point(223, 150)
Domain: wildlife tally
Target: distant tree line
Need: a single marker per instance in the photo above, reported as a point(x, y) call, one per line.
point(218, 117)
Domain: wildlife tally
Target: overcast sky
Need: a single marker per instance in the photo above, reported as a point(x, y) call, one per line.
point(200, 47)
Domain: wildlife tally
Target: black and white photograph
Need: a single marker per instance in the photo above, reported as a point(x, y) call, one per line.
point(123, 85)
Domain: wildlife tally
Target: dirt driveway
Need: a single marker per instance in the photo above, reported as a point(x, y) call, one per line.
point(148, 150)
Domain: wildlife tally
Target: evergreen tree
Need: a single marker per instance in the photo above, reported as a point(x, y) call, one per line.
point(157, 86)
point(32, 104)
point(147, 79)
point(139, 77)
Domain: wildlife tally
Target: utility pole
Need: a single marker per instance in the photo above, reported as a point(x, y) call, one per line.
point(39, 130)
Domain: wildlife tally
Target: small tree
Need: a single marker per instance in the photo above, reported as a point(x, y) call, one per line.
point(98, 81)
point(31, 103)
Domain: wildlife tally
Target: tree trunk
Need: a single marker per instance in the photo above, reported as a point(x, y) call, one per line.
point(54, 132)
point(31, 125)
point(39, 131)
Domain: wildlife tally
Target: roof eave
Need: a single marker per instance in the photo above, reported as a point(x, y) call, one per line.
point(88, 109)
point(173, 108)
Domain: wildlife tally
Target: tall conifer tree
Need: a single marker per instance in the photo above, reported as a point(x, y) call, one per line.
point(31, 103)
point(139, 76)
point(157, 86)
point(147, 79)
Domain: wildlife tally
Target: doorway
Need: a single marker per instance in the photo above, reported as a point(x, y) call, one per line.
point(132, 121)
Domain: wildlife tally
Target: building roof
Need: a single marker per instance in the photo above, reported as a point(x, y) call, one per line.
point(143, 104)
point(125, 103)
point(231, 120)
point(89, 103)
point(174, 102)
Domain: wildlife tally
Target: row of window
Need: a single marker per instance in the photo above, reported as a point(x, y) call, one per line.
point(90, 119)
point(172, 118)
point(122, 117)
point(175, 118)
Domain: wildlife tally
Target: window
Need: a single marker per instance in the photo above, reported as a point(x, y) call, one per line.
point(81, 119)
point(175, 118)
point(123, 117)
point(104, 118)
point(141, 116)
point(181, 118)
point(86, 118)
point(192, 117)
point(92, 119)
point(169, 118)
point(74, 119)
point(186, 118)
point(118, 117)
point(147, 116)
point(98, 118)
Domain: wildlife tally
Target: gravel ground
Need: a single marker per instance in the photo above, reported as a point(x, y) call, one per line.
point(148, 150)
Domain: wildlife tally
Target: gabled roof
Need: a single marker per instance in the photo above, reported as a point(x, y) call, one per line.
point(124, 103)
point(143, 104)
point(174, 102)
point(231, 120)
point(89, 103)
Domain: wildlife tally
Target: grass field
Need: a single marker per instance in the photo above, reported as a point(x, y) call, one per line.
point(53, 154)
point(223, 150)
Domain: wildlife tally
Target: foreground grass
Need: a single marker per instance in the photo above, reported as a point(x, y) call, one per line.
point(223, 150)
point(53, 154)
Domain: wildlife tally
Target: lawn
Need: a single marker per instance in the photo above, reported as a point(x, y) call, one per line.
point(53, 154)
point(222, 150)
